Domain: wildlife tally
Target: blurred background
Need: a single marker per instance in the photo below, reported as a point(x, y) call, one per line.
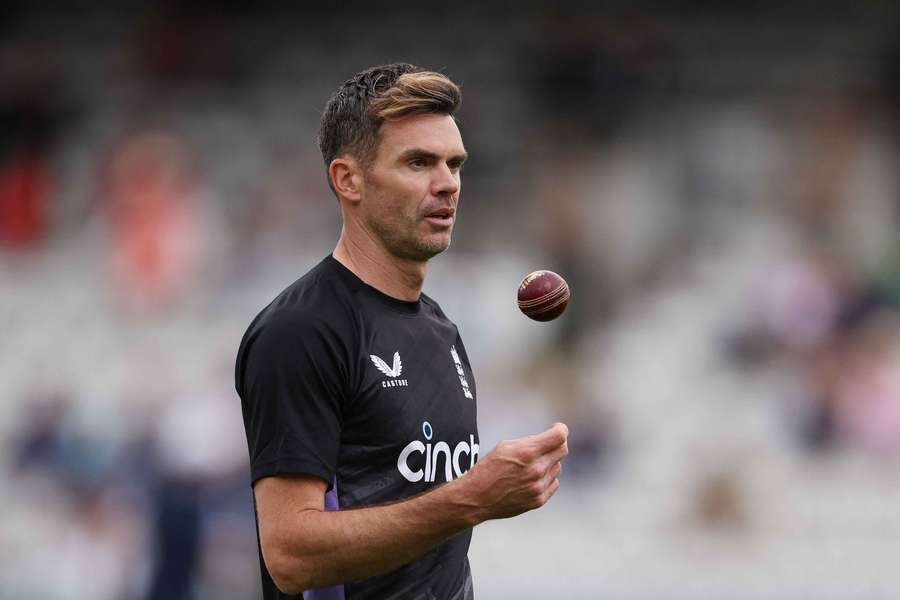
point(719, 183)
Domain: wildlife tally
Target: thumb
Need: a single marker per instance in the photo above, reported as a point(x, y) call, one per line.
point(552, 438)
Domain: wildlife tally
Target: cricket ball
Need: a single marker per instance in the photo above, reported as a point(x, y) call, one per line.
point(543, 295)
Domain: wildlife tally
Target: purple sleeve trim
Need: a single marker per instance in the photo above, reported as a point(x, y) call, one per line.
point(335, 592)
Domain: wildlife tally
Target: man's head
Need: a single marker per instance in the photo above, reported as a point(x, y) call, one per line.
point(393, 154)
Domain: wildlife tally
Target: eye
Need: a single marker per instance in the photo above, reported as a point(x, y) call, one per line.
point(418, 163)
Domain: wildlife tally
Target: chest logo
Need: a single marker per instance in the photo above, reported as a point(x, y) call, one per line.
point(392, 371)
point(431, 451)
point(462, 374)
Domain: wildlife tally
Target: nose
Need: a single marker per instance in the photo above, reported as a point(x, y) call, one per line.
point(445, 181)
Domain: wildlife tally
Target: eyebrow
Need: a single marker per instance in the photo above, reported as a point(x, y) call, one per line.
point(422, 153)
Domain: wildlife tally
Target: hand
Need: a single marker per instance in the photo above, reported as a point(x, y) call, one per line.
point(520, 474)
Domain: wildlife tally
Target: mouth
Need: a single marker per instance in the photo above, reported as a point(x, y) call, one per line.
point(442, 217)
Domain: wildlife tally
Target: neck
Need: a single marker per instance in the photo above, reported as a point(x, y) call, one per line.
point(368, 260)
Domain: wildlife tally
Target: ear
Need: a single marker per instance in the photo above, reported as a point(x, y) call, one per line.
point(346, 177)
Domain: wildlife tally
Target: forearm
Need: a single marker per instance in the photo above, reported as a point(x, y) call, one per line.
point(323, 548)
point(305, 547)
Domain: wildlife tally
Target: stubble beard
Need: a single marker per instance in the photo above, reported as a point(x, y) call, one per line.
point(399, 239)
point(398, 233)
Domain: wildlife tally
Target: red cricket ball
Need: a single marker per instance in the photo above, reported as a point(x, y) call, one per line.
point(543, 295)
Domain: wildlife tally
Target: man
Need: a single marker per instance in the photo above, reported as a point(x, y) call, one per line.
point(356, 390)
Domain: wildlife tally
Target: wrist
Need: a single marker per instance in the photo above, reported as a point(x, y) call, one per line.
point(465, 500)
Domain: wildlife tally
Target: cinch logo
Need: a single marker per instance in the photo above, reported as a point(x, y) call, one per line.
point(432, 452)
point(391, 371)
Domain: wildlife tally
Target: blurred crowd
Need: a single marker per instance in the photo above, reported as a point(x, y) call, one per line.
point(720, 189)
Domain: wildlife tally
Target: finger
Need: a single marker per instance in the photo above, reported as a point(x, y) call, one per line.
point(551, 489)
point(554, 471)
point(552, 438)
point(557, 454)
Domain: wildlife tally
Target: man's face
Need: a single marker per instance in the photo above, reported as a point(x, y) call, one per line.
point(412, 186)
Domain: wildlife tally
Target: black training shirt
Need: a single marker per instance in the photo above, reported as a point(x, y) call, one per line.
point(374, 395)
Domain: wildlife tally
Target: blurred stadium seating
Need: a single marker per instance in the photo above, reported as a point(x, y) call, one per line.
point(720, 187)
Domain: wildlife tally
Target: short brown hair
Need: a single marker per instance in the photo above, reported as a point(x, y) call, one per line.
point(354, 115)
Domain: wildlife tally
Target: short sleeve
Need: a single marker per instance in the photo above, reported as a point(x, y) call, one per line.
point(291, 375)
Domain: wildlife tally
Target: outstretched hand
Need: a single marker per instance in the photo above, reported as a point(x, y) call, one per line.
point(521, 474)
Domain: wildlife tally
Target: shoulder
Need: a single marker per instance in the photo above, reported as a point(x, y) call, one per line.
point(434, 308)
point(311, 302)
point(316, 311)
